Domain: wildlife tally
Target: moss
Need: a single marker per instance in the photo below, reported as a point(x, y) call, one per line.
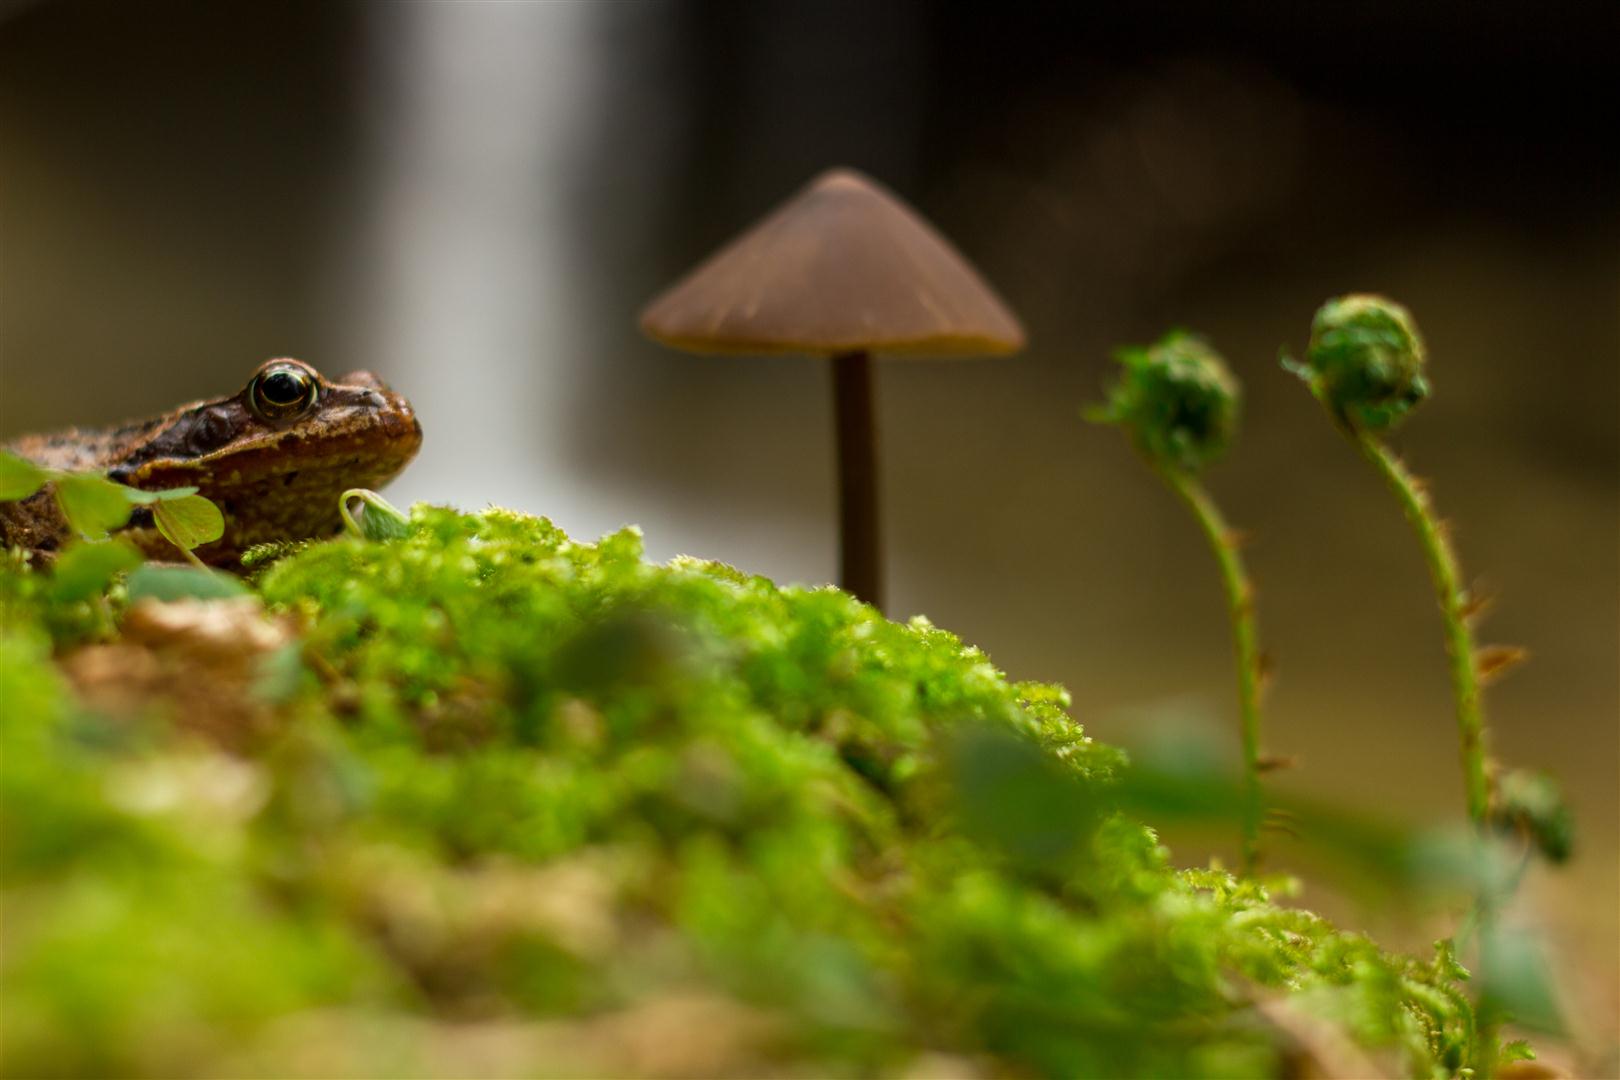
point(541, 787)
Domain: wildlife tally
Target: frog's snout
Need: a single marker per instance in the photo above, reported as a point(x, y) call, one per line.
point(409, 426)
point(399, 419)
point(363, 378)
point(389, 412)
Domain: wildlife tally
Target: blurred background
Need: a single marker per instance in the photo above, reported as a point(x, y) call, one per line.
point(475, 199)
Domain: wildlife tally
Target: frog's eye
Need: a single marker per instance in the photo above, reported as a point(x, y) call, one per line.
point(282, 392)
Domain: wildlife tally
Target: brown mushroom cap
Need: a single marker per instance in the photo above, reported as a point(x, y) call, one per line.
point(843, 266)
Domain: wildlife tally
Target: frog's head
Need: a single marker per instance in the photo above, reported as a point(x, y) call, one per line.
point(276, 455)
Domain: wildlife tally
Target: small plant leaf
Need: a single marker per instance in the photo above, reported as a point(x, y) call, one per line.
point(1517, 1050)
point(1517, 981)
point(92, 504)
point(18, 478)
point(1446, 964)
point(145, 498)
point(379, 519)
point(189, 521)
point(1294, 367)
point(1494, 661)
point(279, 674)
point(85, 570)
point(154, 582)
point(1531, 805)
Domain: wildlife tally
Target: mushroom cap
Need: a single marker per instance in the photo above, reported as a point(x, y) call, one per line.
point(843, 266)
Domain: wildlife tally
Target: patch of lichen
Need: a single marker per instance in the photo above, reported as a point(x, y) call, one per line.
point(547, 807)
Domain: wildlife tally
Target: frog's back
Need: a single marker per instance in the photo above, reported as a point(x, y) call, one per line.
point(36, 523)
point(83, 449)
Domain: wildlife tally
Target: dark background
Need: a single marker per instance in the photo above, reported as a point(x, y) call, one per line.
point(474, 200)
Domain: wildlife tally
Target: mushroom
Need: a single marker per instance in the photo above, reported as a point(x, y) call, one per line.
point(844, 269)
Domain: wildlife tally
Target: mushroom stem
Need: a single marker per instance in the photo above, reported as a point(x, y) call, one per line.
point(860, 567)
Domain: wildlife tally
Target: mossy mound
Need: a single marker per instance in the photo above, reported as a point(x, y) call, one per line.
point(511, 804)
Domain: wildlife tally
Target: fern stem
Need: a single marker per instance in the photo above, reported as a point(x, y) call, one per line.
point(1245, 643)
point(1453, 600)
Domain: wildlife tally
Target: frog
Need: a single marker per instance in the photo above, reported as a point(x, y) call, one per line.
point(275, 457)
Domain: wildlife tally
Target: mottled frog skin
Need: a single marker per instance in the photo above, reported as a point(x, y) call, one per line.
point(274, 457)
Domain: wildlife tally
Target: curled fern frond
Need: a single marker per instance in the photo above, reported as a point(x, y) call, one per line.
point(1177, 401)
point(1365, 362)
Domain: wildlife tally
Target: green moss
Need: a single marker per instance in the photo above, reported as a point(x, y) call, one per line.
point(525, 780)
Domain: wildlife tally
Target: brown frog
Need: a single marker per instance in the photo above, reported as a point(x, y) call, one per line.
point(274, 457)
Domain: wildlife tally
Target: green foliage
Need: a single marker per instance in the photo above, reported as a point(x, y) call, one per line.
point(95, 506)
point(1516, 982)
point(379, 519)
point(148, 498)
point(1176, 399)
point(84, 571)
point(1365, 361)
point(1530, 804)
point(189, 521)
point(525, 780)
point(68, 602)
point(92, 504)
point(157, 582)
point(20, 479)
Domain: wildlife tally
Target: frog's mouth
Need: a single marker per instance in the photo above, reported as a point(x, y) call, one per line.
point(288, 488)
point(367, 449)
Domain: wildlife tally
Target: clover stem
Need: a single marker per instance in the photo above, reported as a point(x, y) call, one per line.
point(1245, 643)
point(1453, 600)
point(191, 557)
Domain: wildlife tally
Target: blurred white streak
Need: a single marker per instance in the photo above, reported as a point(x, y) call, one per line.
point(478, 115)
